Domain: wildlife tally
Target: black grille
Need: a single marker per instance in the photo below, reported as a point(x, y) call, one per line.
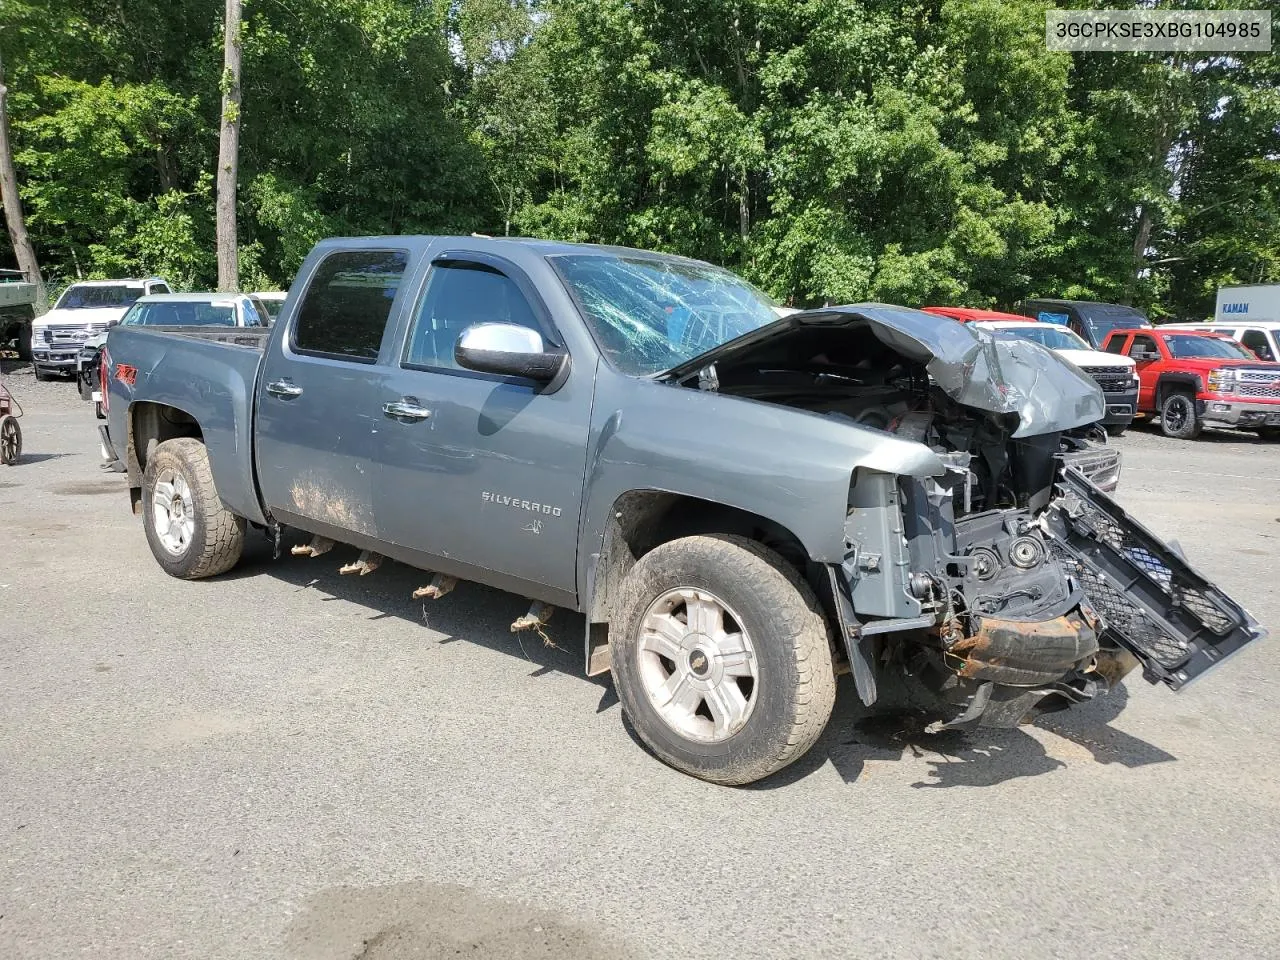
point(1149, 599)
point(1110, 379)
point(1198, 602)
point(1121, 615)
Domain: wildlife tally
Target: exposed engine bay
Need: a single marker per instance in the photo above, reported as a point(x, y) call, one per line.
point(983, 582)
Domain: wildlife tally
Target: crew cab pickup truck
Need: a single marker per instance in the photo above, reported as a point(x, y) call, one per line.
point(1192, 377)
point(1114, 374)
point(643, 439)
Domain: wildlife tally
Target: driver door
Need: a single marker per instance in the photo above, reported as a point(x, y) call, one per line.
point(1141, 350)
point(486, 473)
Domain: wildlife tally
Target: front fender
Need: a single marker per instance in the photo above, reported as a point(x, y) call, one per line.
point(789, 466)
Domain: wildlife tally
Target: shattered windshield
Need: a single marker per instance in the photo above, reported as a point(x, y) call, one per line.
point(649, 314)
point(1184, 346)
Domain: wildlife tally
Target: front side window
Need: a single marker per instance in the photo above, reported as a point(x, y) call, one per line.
point(1185, 346)
point(1142, 346)
point(89, 297)
point(649, 314)
point(346, 306)
point(460, 295)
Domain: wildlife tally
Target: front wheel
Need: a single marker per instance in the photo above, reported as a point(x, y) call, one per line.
point(1269, 433)
point(191, 533)
point(1117, 429)
point(721, 658)
point(1178, 417)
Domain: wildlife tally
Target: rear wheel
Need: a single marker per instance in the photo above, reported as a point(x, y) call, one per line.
point(1178, 417)
point(721, 658)
point(10, 440)
point(191, 533)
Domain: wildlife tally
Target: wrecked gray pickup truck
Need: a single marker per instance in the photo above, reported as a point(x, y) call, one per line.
point(742, 506)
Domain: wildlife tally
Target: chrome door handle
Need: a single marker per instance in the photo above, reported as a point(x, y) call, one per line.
point(283, 388)
point(406, 409)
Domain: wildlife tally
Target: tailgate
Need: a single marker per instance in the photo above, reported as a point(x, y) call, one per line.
point(1151, 602)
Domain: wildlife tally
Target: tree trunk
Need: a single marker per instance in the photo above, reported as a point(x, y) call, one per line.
point(229, 152)
point(17, 224)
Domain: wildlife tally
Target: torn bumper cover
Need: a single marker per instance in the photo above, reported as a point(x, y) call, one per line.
point(1143, 605)
point(1066, 603)
point(1147, 598)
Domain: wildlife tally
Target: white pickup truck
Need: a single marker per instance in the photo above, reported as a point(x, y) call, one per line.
point(1115, 374)
point(84, 310)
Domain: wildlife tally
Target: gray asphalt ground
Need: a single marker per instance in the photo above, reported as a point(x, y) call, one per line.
point(288, 763)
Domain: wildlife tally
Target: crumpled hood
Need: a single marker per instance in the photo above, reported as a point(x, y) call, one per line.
point(968, 364)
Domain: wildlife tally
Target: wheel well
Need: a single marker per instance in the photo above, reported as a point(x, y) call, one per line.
point(151, 424)
point(1175, 384)
point(644, 519)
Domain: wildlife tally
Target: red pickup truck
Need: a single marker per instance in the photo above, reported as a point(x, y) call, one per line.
point(1193, 378)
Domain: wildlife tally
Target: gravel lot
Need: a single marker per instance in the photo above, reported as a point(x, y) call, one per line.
point(289, 763)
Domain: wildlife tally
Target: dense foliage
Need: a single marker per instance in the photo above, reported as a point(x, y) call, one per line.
point(831, 150)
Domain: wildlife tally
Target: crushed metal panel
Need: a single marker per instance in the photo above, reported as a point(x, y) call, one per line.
point(969, 364)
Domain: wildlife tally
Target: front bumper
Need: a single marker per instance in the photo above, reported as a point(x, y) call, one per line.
point(1122, 405)
point(56, 358)
point(1239, 413)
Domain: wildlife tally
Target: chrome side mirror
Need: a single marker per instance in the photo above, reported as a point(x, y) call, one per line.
point(510, 350)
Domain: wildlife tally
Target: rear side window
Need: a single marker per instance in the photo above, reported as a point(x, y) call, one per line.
point(1116, 343)
point(1256, 341)
point(347, 303)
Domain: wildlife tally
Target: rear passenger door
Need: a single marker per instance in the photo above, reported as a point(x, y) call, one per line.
point(318, 412)
point(485, 473)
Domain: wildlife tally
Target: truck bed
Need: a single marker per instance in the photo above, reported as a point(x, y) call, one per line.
point(209, 373)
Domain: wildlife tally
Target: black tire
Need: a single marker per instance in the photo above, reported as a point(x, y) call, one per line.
point(1117, 429)
point(1178, 418)
point(41, 375)
point(795, 688)
point(217, 540)
point(1269, 433)
point(10, 440)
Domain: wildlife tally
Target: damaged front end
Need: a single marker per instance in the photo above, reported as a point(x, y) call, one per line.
point(1012, 577)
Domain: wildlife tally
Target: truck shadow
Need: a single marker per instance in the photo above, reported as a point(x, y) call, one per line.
point(972, 757)
point(472, 613)
point(1209, 435)
point(855, 738)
